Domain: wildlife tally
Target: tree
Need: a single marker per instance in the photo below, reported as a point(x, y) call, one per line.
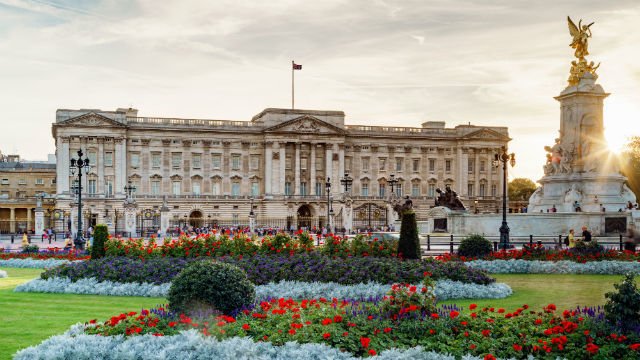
point(100, 236)
point(520, 189)
point(409, 244)
point(630, 166)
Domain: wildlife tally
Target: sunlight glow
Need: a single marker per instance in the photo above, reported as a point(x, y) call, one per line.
point(619, 125)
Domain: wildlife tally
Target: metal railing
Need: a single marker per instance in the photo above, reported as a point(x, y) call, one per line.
point(453, 241)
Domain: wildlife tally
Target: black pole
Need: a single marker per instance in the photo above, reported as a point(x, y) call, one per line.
point(504, 229)
point(79, 232)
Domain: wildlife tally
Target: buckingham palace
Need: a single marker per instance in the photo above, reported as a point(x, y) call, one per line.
point(284, 166)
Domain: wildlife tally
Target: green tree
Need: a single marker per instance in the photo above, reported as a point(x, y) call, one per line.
point(100, 236)
point(520, 189)
point(630, 163)
point(409, 244)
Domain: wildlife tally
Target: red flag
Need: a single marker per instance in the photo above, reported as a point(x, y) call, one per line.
point(297, 66)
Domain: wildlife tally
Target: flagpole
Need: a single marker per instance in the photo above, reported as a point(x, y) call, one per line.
point(292, 86)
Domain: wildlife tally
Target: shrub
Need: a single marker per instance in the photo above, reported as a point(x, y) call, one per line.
point(475, 246)
point(623, 306)
point(263, 269)
point(215, 285)
point(587, 248)
point(29, 249)
point(409, 245)
point(100, 236)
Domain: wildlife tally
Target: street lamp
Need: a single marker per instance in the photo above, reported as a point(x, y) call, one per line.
point(392, 182)
point(251, 206)
point(346, 181)
point(329, 209)
point(77, 165)
point(504, 158)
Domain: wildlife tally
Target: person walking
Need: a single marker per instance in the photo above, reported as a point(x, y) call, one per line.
point(586, 234)
point(572, 239)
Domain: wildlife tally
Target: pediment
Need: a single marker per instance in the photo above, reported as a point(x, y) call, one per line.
point(306, 125)
point(91, 119)
point(486, 134)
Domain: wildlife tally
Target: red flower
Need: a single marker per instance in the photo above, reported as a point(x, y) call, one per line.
point(326, 321)
point(345, 334)
point(454, 314)
point(365, 342)
point(489, 357)
point(246, 327)
point(337, 318)
point(517, 347)
point(500, 311)
point(372, 352)
point(486, 332)
point(472, 346)
point(387, 330)
point(326, 335)
point(292, 331)
point(592, 348)
point(473, 306)
point(538, 321)
point(172, 324)
point(635, 347)
point(435, 316)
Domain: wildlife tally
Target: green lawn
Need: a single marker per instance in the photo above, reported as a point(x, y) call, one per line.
point(29, 318)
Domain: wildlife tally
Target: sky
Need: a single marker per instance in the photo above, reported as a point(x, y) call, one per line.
point(485, 62)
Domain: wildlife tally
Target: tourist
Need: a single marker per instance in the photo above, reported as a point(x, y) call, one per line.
point(25, 239)
point(586, 234)
point(68, 244)
point(576, 206)
point(553, 209)
point(572, 239)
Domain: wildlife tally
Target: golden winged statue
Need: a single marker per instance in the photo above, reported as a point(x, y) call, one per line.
point(581, 35)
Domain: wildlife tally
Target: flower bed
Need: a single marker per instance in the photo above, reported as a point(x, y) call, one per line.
point(263, 269)
point(444, 290)
point(359, 329)
point(49, 253)
point(35, 263)
point(582, 255)
point(218, 245)
point(555, 267)
point(192, 344)
point(3, 274)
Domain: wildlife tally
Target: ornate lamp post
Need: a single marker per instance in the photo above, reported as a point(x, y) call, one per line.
point(129, 190)
point(252, 216)
point(327, 186)
point(392, 181)
point(504, 158)
point(346, 181)
point(77, 165)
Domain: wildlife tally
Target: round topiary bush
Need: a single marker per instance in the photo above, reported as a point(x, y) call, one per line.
point(205, 285)
point(475, 246)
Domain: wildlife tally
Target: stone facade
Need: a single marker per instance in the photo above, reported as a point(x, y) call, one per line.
point(20, 182)
point(209, 169)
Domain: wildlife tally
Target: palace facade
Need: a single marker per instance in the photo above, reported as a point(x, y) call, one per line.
point(208, 172)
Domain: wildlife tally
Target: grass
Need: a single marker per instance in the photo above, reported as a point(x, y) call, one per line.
point(29, 318)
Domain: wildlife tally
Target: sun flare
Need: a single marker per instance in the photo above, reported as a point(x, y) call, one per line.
point(618, 125)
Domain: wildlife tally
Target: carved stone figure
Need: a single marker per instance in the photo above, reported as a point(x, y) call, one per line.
point(573, 195)
point(555, 156)
point(449, 198)
point(404, 205)
point(566, 162)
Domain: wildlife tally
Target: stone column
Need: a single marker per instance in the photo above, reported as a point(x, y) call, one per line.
point(297, 170)
point(341, 160)
point(283, 160)
point(62, 167)
point(12, 218)
point(28, 218)
point(329, 160)
point(100, 166)
point(120, 166)
point(312, 176)
point(268, 167)
point(476, 173)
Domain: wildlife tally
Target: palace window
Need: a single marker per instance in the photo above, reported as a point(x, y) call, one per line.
point(235, 188)
point(482, 190)
point(447, 166)
point(176, 160)
point(347, 164)
point(91, 187)
point(5, 182)
point(399, 162)
point(303, 188)
point(255, 162)
point(155, 187)
point(319, 187)
point(22, 182)
point(303, 163)
point(364, 190)
point(416, 165)
point(431, 192)
point(195, 188)
point(108, 187)
point(470, 165)
point(92, 157)
point(155, 160)
point(381, 190)
point(287, 188)
point(470, 190)
point(288, 163)
point(493, 190)
point(382, 162)
point(319, 162)
point(135, 160)
point(39, 181)
point(235, 162)
point(176, 187)
point(483, 166)
point(216, 161)
point(215, 188)
point(196, 160)
point(399, 189)
point(415, 189)
point(255, 188)
point(432, 165)
point(365, 164)
point(108, 158)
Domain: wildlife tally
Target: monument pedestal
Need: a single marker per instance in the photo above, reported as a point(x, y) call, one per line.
point(39, 222)
point(130, 219)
